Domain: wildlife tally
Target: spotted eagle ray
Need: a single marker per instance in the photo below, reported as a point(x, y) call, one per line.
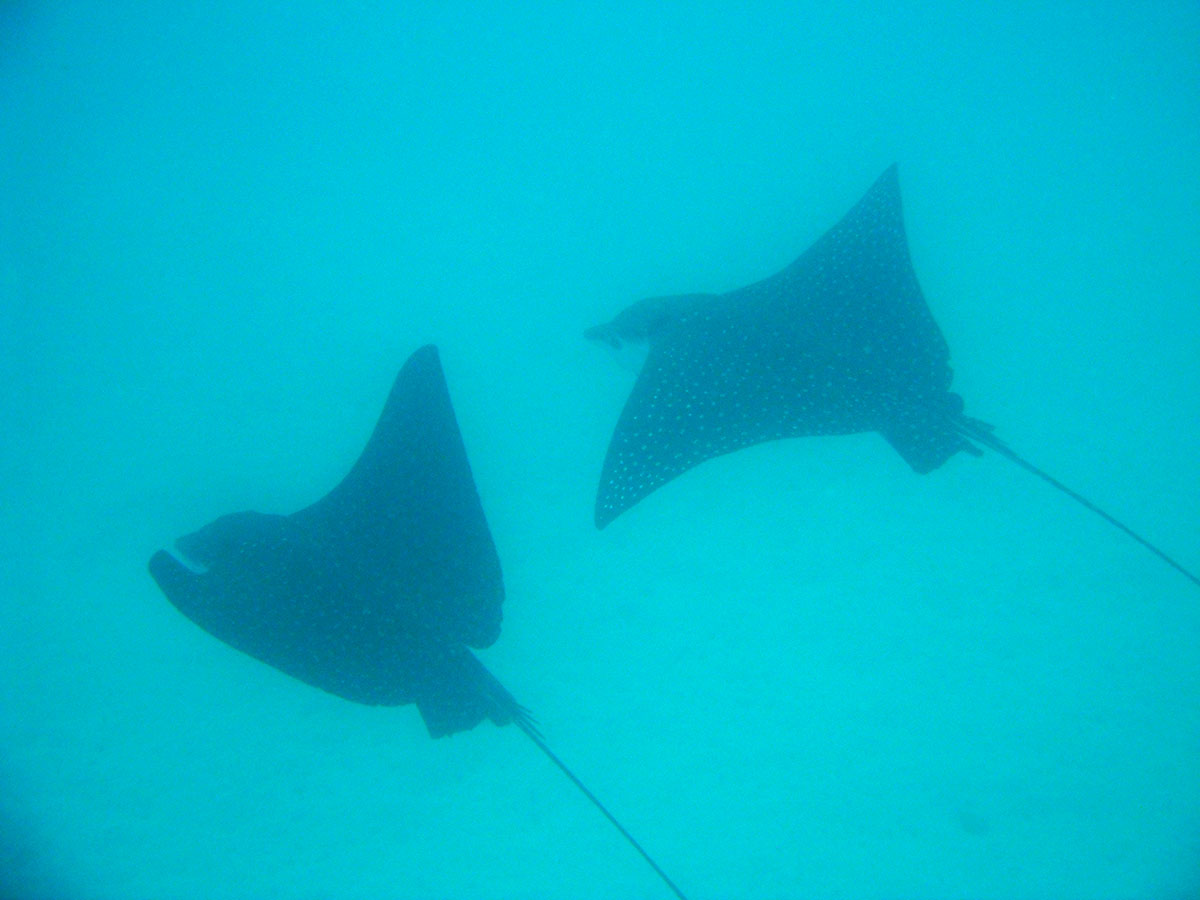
point(375, 592)
point(839, 342)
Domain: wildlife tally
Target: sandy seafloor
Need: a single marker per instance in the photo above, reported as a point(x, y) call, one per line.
point(800, 671)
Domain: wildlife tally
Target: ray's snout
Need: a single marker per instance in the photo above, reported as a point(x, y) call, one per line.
point(605, 334)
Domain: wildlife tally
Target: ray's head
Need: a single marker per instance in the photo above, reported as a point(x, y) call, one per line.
point(220, 543)
point(606, 333)
point(631, 333)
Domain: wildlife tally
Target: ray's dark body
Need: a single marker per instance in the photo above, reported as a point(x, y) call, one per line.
point(375, 592)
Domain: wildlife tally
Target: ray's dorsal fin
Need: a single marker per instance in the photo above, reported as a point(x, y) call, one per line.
point(376, 592)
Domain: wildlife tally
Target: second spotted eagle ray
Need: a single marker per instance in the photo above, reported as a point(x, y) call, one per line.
point(376, 592)
point(839, 342)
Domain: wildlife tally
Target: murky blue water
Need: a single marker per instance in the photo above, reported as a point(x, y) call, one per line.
point(798, 671)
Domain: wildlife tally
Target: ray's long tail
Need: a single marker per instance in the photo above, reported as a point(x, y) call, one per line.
point(525, 723)
point(504, 709)
point(981, 432)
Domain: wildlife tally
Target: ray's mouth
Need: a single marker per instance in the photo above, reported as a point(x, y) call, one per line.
point(179, 554)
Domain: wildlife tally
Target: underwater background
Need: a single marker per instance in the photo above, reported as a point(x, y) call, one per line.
point(797, 671)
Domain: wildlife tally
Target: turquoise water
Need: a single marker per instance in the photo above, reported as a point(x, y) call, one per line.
point(798, 671)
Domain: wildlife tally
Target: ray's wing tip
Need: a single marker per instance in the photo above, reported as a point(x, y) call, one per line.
point(603, 516)
point(422, 368)
point(889, 179)
point(426, 354)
